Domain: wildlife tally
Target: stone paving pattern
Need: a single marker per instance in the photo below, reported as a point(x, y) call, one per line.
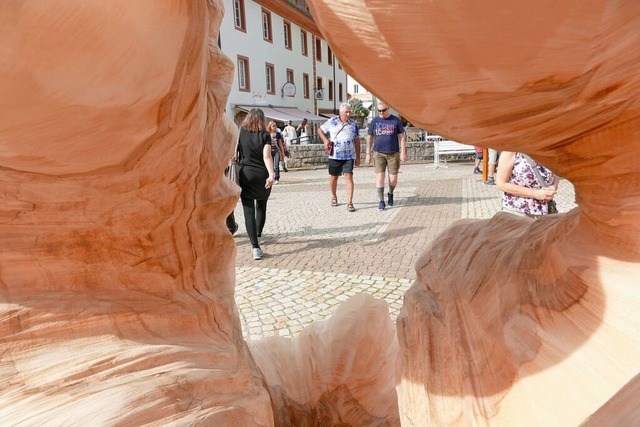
point(317, 256)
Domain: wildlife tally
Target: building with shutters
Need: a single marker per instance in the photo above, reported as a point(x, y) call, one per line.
point(282, 64)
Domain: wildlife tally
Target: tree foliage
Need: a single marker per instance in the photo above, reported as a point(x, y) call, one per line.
point(357, 108)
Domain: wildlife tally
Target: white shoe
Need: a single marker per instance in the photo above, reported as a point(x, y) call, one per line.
point(257, 253)
point(276, 182)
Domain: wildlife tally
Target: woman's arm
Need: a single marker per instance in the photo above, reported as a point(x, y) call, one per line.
point(505, 167)
point(268, 162)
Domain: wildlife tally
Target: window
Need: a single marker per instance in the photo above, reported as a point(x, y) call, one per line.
point(305, 85)
point(330, 90)
point(244, 84)
point(319, 83)
point(290, 75)
point(271, 78)
point(329, 55)
point(356, 88)
point(266, 25)
point(318, 49)
point(287, 35)
point(303, 42)
point(339, 92)
point(238, 15)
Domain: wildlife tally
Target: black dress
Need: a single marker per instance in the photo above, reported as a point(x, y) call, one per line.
point(253, 173)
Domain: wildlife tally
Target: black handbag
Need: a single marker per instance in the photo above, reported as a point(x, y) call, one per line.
point(232, 172)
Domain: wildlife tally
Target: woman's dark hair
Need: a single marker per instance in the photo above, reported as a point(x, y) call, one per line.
point(254, 122)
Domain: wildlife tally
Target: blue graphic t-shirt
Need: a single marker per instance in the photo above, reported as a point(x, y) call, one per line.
point(343, 140)
point(385, 134)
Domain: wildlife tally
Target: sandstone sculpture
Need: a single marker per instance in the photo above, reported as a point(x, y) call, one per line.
point(514, 322)
point(116, 270)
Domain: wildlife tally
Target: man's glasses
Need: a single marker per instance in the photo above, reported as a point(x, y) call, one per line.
point(383, 110)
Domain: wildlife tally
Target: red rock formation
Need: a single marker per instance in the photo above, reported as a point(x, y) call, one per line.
point(116, 270)
point(340, 371)
point(512, 321)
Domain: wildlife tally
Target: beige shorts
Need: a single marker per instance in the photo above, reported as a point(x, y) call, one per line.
point(383, 160)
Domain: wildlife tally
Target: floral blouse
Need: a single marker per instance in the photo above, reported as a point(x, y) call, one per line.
point(522, 174)
point(343, 137)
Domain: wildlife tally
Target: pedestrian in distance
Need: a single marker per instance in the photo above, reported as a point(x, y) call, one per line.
point(389, 149)
point(256, 175)
point(302, 132)
point(277, 148)
point(478, 159)
point(289, 135)
point(342, 132)
point(491, 170)
point(524, 195)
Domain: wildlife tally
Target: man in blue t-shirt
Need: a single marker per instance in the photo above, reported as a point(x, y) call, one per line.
point(342, 131)
point(390, 147)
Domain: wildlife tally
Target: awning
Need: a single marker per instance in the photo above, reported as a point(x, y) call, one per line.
point(283, 114)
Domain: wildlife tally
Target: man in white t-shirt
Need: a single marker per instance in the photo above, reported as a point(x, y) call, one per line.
point(289, 133)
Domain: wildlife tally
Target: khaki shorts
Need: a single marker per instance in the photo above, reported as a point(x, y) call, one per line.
point(383, 160)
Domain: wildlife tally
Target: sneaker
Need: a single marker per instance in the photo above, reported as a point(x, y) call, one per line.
point(257, 253)
point(490, 181)
point(284, 168)
point(477, 170)
point(381, 205)
point(390, 199)
point(276, 182)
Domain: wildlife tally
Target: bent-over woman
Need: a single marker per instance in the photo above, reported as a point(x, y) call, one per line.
point(523, 194)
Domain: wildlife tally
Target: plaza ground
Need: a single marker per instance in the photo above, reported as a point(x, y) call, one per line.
point(317, 256)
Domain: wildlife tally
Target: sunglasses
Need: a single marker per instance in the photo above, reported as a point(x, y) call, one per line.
point(383, 110)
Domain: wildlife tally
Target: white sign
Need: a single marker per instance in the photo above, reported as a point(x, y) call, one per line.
point(288, 89)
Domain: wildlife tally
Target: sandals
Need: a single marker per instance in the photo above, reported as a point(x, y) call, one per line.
point(334, 203)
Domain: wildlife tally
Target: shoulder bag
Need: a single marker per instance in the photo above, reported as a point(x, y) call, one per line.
point(232, 172)
point(328, 150)
point(552, 208)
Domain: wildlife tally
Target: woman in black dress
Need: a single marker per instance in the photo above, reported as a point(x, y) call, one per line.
point(256, 175)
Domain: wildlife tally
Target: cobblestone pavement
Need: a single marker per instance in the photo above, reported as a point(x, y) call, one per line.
point(317, 256)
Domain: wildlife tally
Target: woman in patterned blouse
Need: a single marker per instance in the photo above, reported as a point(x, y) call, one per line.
point(523, 194)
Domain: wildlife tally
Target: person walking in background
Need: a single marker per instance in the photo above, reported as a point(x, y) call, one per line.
point(389, 148)
point(277, 148)
point(342, 132)
point(523, 194)
point(478, 160)
point(289, 135)
point(256, 175)
point(302, 131)
point(491, 170)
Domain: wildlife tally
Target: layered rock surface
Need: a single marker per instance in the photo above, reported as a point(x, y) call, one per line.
point(512, 321)
point(117, 272)
point(116, 269)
